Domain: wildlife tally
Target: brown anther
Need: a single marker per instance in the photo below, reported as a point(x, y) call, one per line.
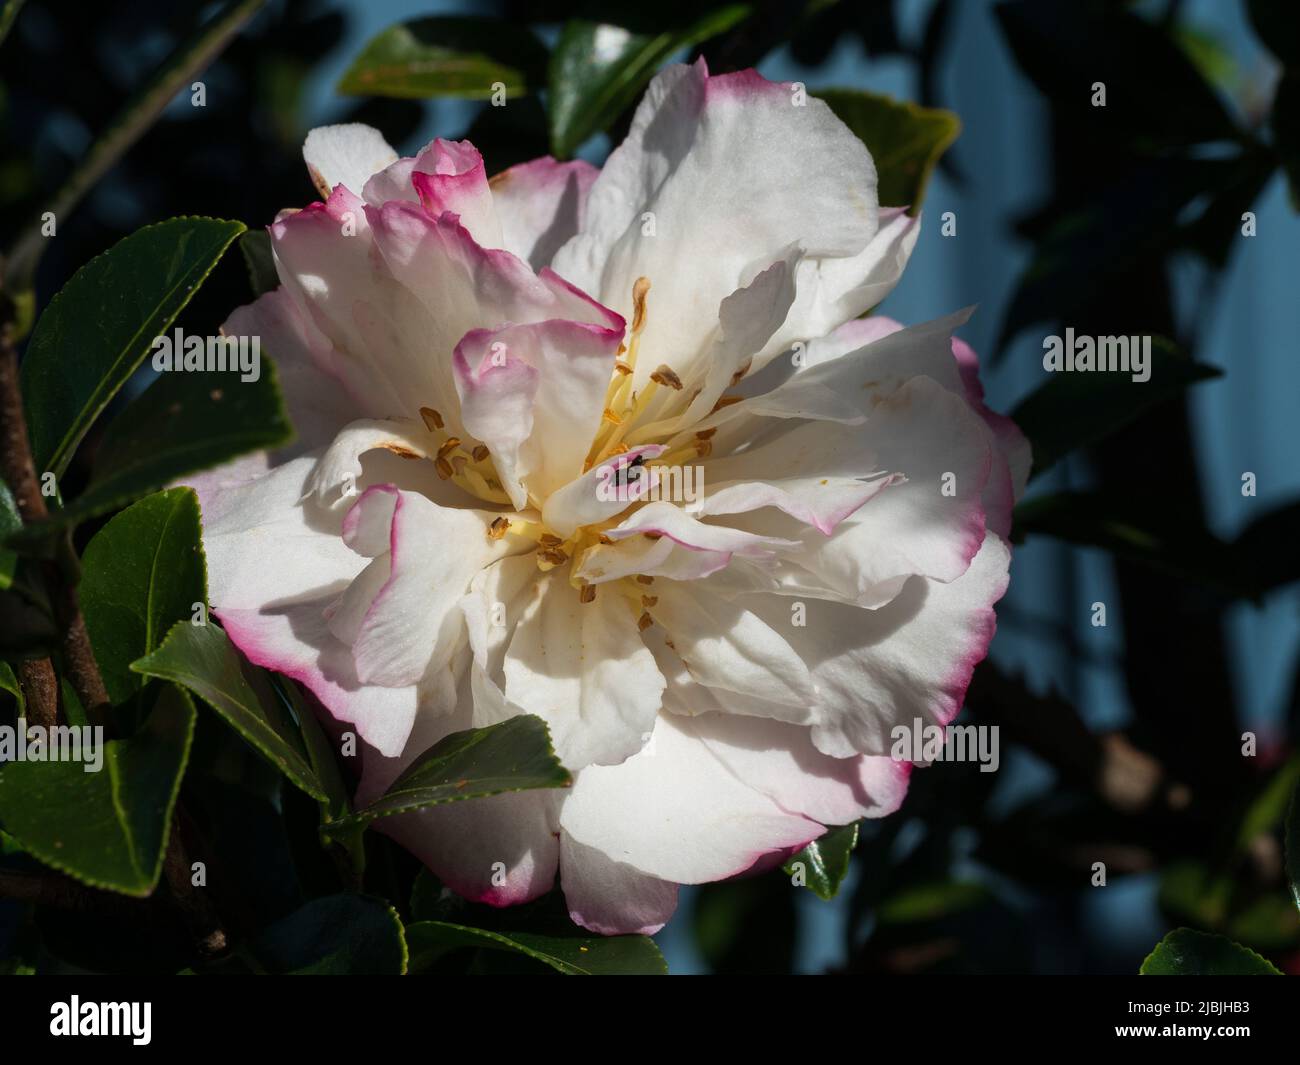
point(498, 528)
point(639, 292)
point(623, 368)
point(611, 417)
point(644, 622)
point(741, 371)
point(480, 452)
point(554, 556)
point(706, 434)
point(704, 449)
point(450, 445)
point(643, 579)
point(666, 376)
point(444, 469)
point(588, 594)
point(604, 539)
point(549, 540)
point(432, 419)
point(725, 401)
point(648, 601)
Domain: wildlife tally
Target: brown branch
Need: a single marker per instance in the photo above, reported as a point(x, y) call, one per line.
point(19, 472)
point(40, 691)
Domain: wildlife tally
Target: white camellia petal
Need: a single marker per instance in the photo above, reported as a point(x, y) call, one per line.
point(319, 405)
point(603, 492)
point(913, 657)
point(928, 521)
point(719, 167)
point(582, 668)
point(610, 898)
point(832, 290)
point(403, 620)
point(274, 565)
point(727, 646)
point(780, 760)
point(534, 395)
point(541, 205)
point(339, 468)
point(345, 155)
point(675, 812)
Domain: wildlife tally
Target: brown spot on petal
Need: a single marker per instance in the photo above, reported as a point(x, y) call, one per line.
point(741, 371)
point(643, 579)
point(588, 594)
point(644, 622)
point(648, 601)
point(400, 450)
point(706, 434)
point(725, 401)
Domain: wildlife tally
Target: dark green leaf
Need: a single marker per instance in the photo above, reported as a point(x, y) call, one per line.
point(9, 683)
point(514, 755)
point(1141, 530)
point(825, 861)
point(1075, 409)
point(106, 828)
point(141, 574)
point(598, 69)
point(1185, 952)
point(184, 423)
point(904, 139)
point(99, 327)
point(202, 658)
point(1266, 548)
point(10, 522)
point(448, 56)
point(255, 246)
point(575, 955)
point(1155, 96)
point(352, 935)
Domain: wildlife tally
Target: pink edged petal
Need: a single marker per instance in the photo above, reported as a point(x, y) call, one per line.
point(1015, 457)
point(464, 286)
point(928, 519)
point(401, 617)
point(822, 502)
point(502, 850)
point(534, 395)
point(780, 760)
point(603, 492)
point(458, 183)
point(610, 898)
point(274, 564)
point(673, 811)
point(583, 669)
point(345, 155)
point(730, 172)
point(912, 658)
point(541, 205)
point(325, 256)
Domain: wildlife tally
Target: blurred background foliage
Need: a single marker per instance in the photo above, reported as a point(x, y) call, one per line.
point(1121, 744)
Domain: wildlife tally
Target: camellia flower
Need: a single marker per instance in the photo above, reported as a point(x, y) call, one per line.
point(493, 383)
